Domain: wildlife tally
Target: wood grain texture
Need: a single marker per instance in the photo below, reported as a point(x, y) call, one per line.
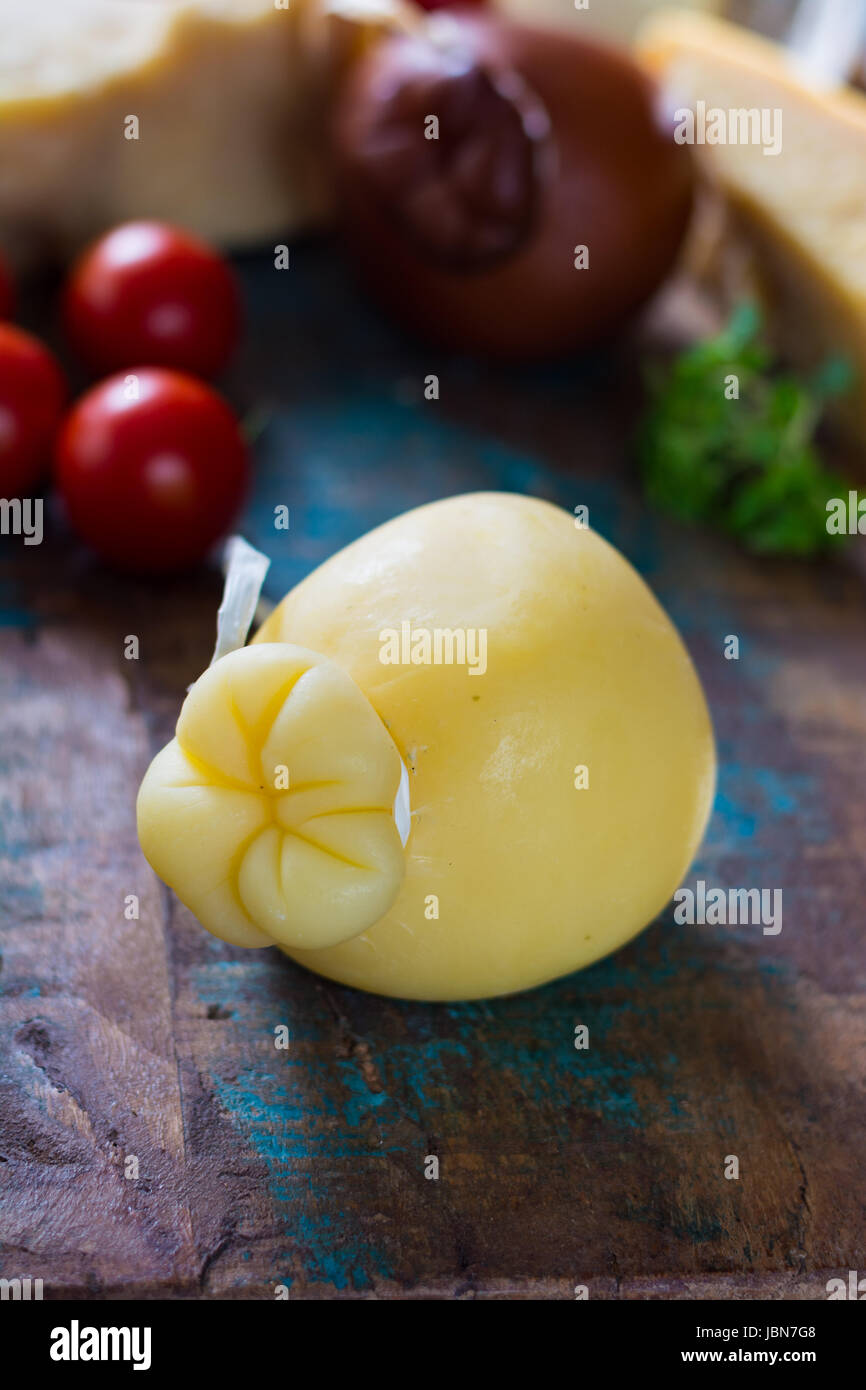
point(306, 1167)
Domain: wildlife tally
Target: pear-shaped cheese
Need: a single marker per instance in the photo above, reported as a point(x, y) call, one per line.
point(560, 754)
point(271, 812)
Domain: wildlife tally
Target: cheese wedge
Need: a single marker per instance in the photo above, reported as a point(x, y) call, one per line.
point(610, 19)
point(208, 113)
point(800, 212)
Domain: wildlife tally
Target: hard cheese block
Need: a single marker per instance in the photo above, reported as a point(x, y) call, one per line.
point(229, 100)
point(561, 764)
point(800, 213)
point(614, 19)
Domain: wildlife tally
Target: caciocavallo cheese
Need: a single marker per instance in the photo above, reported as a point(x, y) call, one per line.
point(208, 113)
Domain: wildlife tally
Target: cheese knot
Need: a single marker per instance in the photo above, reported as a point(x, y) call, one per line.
point(270, 813)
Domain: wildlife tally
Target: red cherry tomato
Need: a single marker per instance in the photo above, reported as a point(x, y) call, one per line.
point(147, 294)
point(152, 468)
point(32, 393)
point(7, 292)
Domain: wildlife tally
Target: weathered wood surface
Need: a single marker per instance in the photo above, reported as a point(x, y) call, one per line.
point(306, 1167)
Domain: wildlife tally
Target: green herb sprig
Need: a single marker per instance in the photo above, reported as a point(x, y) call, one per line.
point(748, 465)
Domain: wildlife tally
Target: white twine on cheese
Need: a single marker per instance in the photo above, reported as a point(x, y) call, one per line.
point(245, 569)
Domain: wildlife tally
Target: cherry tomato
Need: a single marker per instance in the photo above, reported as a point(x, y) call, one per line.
point(32, 393)
point(152, 468)
point(7, 292)
point(147, 294)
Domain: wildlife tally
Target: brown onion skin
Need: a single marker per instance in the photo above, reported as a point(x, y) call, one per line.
point(621, 186)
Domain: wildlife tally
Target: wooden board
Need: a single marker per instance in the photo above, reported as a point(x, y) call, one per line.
point(258, 1167)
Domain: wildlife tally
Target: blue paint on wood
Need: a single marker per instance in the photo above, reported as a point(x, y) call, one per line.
point(13, 612)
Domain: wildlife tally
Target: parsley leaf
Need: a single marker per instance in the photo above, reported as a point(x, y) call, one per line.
point(747, 465)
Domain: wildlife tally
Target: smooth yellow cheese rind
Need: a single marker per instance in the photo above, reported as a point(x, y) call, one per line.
point(271, 812)
point(513, 875)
